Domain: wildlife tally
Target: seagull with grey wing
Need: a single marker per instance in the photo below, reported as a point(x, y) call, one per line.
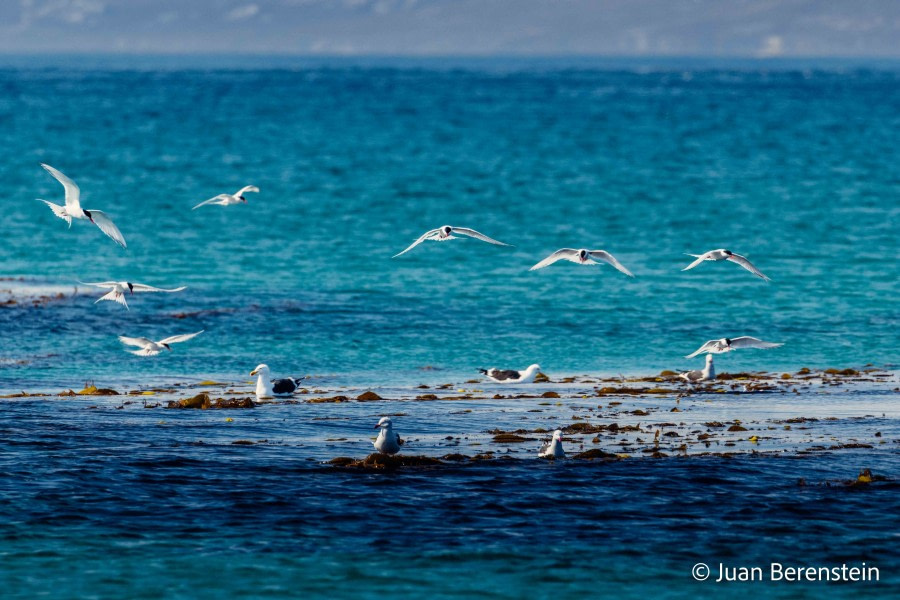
point(731, 344)
point(388, 441)
point(150, 348)
point(445, 233)
point(229, 199)
point(553, 448)
point(118, 289)
point(510, 376)
point(73, 210)
point(706, 374)
point(723, 254)
point(582, 257)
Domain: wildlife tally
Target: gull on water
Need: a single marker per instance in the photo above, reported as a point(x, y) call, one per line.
point(266, 387)
point(706, 374)
point(553, 448)
point(582, 257)
point(117, 290)
point(229, 199)
point(509, 376)
point(73, 210)
point(387, 442)
point(722, 254)
point(731, 344)
point(445, 233)
point(150, 348)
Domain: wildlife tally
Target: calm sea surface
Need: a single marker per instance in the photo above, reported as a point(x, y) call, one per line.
point(795, 168)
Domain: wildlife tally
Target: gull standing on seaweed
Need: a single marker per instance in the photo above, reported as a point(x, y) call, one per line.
point(229, 199)
point(150, 348)
point(73, 210)
point(117, 290)
point(387, 442)
point(706, 374)
point(582, 257)
point(553, 448)
point(731, 344)
point(266, 387)
point(445, 233)
point(509, 376)
point(722, 254)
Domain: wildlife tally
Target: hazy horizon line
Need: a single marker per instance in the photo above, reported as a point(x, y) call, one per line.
point(457, 56)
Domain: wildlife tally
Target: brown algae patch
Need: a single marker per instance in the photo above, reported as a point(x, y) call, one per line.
point(384, 462)
point(204, 402)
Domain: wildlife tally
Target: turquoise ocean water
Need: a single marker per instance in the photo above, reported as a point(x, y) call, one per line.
point(794, 166)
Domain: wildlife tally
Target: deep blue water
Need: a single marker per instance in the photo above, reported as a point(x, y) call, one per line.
point(795, 168)
point(100, 502)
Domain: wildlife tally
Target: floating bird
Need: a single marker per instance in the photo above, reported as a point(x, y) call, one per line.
point(722, 254)
point(266, 387)
point(151, 348)
point(707, 373)
point(117, 290)
point(730, 344)
point(387, 441)
point(582, 257)
point(509, 376)
point(73, 210)
point(229, 199)
point(553, 448)
point(442, 234)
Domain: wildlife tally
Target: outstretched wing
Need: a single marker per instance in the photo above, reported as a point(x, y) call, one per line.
point(135, 341)
point(752, 342)
point(563, 253)
point(213, 200)
point(741, 260)
point(111, 295)
point(101, 284)
point(180, 338)
point(140, 287)
point(708, 346)
point(609, 258)
point(73, 194)
point(700, 258)
point(477, 236)
point(59, 211)
point(421, 239)
point(106, 225)
point(247, 188)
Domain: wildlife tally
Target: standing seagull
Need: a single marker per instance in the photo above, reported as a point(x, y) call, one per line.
point(731, 344)
point(267, 388)
point(553, 448)
point(117, 290)
point(509, 376)
point(73, 210)
point(151, 348)
point(387, 441)
point(581, 257)
point(442, 234)
point(708, 372)
point(229, 199)
point(722, 254)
